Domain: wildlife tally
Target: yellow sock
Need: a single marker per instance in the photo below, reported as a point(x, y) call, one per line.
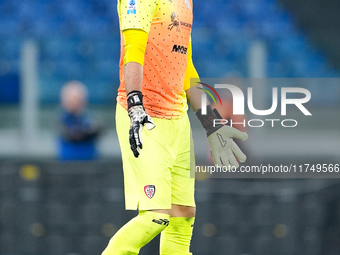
point(137, 233)
point(175, 239)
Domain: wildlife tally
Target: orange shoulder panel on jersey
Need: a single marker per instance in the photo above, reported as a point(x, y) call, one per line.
point(168, 23)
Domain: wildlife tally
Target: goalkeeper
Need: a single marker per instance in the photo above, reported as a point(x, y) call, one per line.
point(155, 71)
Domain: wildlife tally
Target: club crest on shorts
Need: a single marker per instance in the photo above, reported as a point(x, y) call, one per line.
point(150, 190)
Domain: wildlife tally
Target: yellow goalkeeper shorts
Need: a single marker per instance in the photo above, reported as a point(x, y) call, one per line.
point(160, 176)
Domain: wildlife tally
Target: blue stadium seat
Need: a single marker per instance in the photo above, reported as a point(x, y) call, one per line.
point(264, 242)
point(229, 212)
point(79, 39)
point(92, 243)
point(228, 244)
point(57, 214)
point(57, 244)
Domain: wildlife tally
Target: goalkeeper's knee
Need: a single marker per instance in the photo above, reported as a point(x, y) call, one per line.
point(136, 233)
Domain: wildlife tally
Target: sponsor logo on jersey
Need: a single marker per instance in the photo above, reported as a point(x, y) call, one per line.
point(188, 4)
point(180, 49)
point(174, 22)
point(150, 190)
point(185, 24)
point(132, 7)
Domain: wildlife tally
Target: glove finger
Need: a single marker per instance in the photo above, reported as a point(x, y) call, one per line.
point(140, 137)
point(136, 152)
point(148, 122)
point(224, 158)
point(149, 125)
point(216, 157)
point(238, 153)
point(137, 134)
point(232, 160)
point(225, 161)
point(132, 141)
point(239, 134)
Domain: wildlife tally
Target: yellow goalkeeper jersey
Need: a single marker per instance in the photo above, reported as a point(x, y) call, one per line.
point(168, 23)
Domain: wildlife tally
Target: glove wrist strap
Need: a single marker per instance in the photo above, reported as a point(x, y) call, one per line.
point(208, 119)
point(134, 98)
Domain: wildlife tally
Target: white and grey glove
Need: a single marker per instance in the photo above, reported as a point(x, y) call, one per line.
point(139, 118)
point(224, 150)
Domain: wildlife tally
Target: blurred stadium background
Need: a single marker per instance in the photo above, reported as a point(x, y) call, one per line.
point(48, 207)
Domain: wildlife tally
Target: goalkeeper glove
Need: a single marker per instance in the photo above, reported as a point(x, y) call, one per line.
point(223, 149)
point(139, 118)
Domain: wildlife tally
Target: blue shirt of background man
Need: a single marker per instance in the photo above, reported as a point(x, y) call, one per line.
point(77, 140)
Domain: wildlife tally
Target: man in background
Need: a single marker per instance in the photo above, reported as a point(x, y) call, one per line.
point(78, 131)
